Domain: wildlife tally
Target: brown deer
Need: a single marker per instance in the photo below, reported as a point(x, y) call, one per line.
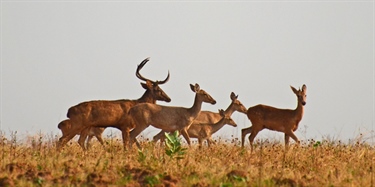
point(65, 126)
point(168, 118)
point(113, 113)
point(205, 131)
point(209, 117)
point(282, 120)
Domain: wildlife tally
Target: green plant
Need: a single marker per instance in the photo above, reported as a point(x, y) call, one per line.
point(226, 184)
point(141, 156)
point(152, 180)
point(239, 178)
point(317, 144)
point(173, 146)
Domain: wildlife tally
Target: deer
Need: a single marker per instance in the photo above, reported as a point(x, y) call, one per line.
point(66, 125)
point(205, 131)
point(111, 113)
point(208, 117)
point(275, 119)
point(168, 118)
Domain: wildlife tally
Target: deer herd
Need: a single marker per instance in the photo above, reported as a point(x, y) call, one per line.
point(90, 118)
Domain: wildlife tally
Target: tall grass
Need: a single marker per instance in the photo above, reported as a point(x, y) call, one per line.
point(36, 162)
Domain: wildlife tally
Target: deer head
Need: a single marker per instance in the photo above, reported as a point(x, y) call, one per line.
point(237, 104)
point(301, 94)
point(202, 95)
point(153, 86)
point(227, 119)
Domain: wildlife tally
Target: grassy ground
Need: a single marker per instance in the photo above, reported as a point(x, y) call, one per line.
point(313, 163)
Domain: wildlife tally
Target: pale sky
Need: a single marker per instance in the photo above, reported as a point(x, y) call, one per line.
point(57, 54)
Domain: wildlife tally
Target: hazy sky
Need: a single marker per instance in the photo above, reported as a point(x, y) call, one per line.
point(57, 54)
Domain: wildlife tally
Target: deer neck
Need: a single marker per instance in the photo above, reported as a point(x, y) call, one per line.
point(196, 108)
point(218, 125)
point(229, 111)
point(147, 98)
point(299, 111)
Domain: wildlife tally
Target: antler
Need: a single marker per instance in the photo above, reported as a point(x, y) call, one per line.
point(164, 81)
point(140, 66)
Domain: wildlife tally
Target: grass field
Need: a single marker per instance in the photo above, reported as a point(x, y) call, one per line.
point(35, 162)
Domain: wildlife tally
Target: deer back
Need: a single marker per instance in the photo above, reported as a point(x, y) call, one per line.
point(101, 113)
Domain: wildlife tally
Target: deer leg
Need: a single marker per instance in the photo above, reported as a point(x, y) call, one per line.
point(82, 138)
point(64, 140)
point(134, 133)
point(251, 138)
point(186, 136)
point(162, 140)
point(244, 132)
point(286, 138)
point(157, 137)
point(137, 143)
point(88, 141)
point(210, 141)
point(200, 142)
point(125, 137)
point(294, 137)
point(100, 139)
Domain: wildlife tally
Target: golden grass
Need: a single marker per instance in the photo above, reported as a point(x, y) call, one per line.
point(326, 163)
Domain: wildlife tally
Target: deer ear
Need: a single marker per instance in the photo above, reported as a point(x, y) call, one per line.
point(221, 112)
point(192, 87)
point(233, 96)
point(144, 85)
point(304, 88)
point(294, 90)
point(195, 87)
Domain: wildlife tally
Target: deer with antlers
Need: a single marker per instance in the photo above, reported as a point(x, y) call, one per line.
point(111, 113)
point(281, 120)
point(168, 118)
point(208, 117)
point(66, 125)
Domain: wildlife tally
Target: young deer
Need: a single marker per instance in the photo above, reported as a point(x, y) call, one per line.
point(205, 131)
point(209, 117)
point(66, 125)
point(282, 120)
point(111, 113)
point(168, 118)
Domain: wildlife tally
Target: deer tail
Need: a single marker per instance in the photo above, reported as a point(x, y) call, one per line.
point(71, 112)
point(60, 125)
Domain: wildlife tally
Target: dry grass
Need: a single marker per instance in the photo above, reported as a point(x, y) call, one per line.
point(327, 163)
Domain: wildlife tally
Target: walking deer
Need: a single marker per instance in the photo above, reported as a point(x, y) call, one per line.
point(111, 113)
point(205, 131)
point(66, 125)
point(168, 118)
point(281, 120)
point(208, 117)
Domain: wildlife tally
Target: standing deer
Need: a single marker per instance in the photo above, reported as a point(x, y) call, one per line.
point(209, 117)
point(282, 120)
point(66, 125)
point(114, 113)
point(205, 131)
point(168, 118)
